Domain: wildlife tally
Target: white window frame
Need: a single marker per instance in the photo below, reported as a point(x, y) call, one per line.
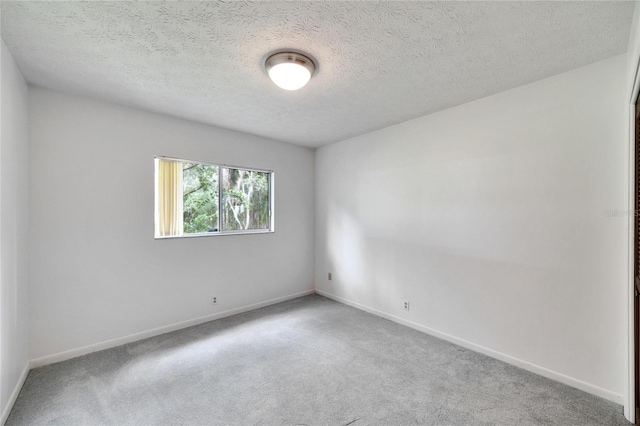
point(220, 232)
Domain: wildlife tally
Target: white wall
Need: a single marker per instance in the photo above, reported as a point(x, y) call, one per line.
point(633, 49)
point(489, 218)
point(633, 56)
point(14, 204)
point(96, 271)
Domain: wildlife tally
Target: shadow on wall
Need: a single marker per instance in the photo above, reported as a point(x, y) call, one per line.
point(511, 307)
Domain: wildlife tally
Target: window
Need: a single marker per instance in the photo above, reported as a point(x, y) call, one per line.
point(195, 199)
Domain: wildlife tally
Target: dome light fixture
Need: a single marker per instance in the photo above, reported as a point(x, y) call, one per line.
point(289, 70)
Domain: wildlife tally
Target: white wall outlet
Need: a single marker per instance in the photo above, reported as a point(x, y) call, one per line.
point(214, 300)
point(406, 305)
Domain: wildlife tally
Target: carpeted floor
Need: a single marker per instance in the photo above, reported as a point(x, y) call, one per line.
point(308, 361)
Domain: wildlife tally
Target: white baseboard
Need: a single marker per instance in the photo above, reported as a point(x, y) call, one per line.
point(14, 395)
point(545, 372)
point(62, 356)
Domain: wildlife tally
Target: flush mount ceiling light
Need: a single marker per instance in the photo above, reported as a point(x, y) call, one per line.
point(289, 71)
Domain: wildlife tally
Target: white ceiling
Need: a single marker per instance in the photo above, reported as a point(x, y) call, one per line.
point(378, 64)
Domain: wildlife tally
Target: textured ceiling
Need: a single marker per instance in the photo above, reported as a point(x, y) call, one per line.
point(378, 64)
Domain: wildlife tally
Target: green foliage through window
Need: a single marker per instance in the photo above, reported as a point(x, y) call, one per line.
point(199, 198)
point(245, 199)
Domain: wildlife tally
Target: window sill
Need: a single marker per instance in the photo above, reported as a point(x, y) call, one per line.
point(216, 234)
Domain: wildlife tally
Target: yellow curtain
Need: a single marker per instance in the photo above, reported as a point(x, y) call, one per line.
point(168, 198)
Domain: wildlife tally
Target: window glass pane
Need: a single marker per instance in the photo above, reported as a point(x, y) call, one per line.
point(245, 199)
point(189, 195)
point(200, 197)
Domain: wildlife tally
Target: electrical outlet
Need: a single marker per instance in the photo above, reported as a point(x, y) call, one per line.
point(406, 305)
point(330, 276)
point(214, 300)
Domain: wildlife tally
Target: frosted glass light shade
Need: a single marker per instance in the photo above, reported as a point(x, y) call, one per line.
point(290, 71)
point(289, 76)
